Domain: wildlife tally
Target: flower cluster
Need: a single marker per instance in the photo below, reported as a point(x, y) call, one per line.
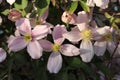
point(79, 28)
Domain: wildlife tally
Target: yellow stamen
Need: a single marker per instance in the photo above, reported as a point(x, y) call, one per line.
point(56, 47)
point(37, 22)
point(86, 34)
point(108, 37)
point(27, 37)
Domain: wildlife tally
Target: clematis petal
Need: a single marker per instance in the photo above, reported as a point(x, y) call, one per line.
point(82, 17)
point(69, 50)
point(101, 3)
point(73, 36)
point(10, 38)
point(54, 62)
point(40, 31)
point(44, 16)
point(23, 25)
point(18, 43)
point(58, 34)
point(46, 45)
point(110, 46)
point(3, 55)
point(34, 49)
point(90, 3)
point(100, 47)
point(99, 32)
point(10, 1)
point(86, 51)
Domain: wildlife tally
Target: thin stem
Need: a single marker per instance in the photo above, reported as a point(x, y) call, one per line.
point(111, 57)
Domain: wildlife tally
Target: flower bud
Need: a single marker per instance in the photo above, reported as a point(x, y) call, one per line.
point(68, 18)
point(14, 15)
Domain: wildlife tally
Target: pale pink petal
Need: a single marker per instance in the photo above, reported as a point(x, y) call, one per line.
point(17, 44)
point(69, 50)
point(49, 27)
point(34, 49)
point(3, 55)
point(82, 26)
point(40, 31)
point(0, 16)
point(46, 45)
point(110, 46)
point(73, 36)
point(103, 30)
point(100, 47)
point(86, 51)
point(44, 16)
point(98, 33)
point(10, 1)
point(17, 33)
point(58, 33)
point(101, 3)
point(54, 62)
point(10, 38)
point(90, 3)
point(82, 17)
point(23, 25)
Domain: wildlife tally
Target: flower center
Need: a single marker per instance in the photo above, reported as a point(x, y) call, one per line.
point(27, 37)
point(108, 37)
point(86, 34)
point(37, 22)
point(56, 47)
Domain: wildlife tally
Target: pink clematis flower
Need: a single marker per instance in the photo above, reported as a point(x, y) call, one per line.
point(3, 55)
point(100, 3)
point(85, 33)
point(55, 60)
point(41, 21)
point(105, 41)
point(28, 38)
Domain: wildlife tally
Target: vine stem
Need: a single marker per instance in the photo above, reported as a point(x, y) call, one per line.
point(112, 54)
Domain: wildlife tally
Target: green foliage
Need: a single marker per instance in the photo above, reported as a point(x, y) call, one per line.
point(72, 7)
point(84, 6)
point(42, 6)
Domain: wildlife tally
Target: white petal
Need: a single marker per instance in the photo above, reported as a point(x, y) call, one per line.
point(54, 62)
point(40, 31)
point(73, 36)
point(2, 55)
point(69, 50)
point(18, 43)
point(58, 32)
point(34, 49)
point(86, 51)
point(100, 47)
point(10, 1)
point(110, 46)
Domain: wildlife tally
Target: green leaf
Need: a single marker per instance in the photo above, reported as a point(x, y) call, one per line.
point(72, 7)
point(5, 12)
point(17, 6)
point(104, 69)
point(107, 15)
point(24, 4)
point(84, 6)
point(77, 63)
point(42, 6)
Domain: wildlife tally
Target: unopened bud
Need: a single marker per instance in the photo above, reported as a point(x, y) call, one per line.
point(14, 15)
point(68, 18)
